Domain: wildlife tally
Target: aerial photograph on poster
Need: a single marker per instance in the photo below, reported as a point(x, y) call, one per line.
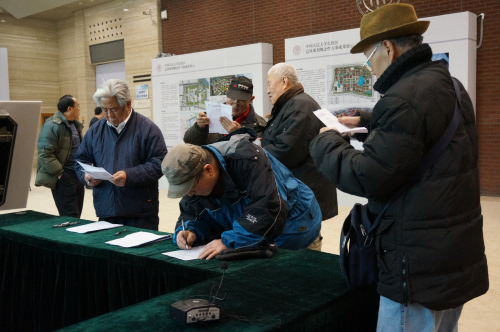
point(218, 85)
point(193, 94)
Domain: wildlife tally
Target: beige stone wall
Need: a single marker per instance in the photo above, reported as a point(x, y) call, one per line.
point(49, 59)
point(33, 60)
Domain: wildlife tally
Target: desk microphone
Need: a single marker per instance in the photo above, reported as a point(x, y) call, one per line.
point(197, 310)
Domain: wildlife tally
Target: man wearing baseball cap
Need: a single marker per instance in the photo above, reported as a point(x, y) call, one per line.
point(430, 248)
point(236, 188)
point(239, 97)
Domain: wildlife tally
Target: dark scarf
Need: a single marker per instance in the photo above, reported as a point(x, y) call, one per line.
point(404, 64)
point(286, 96)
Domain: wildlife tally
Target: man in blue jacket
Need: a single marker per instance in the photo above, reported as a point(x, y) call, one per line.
point(237, 188)
point(130, 147)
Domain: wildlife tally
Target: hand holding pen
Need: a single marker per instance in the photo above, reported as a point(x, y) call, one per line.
point(185, 238)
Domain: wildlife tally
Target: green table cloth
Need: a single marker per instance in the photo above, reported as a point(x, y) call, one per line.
point(53, 278)
point(302, 291)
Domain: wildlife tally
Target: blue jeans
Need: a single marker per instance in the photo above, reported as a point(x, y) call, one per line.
point(395, 317)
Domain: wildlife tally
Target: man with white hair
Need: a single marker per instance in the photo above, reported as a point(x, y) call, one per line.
point(290, 129)
point(129, 146)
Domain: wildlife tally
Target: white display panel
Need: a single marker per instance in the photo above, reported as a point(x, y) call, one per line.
point(319, 59)
point(182, 84)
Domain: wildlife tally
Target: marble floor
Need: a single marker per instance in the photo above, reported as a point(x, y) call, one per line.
point(478, 315)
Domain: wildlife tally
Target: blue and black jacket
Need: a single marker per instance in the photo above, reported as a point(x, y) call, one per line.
point(261, 200)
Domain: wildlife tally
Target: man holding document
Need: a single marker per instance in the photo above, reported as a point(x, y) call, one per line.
point(429, 243)
point(126, 151)
point(239, 98)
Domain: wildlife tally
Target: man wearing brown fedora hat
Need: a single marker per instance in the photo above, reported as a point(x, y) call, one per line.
point(429, 244)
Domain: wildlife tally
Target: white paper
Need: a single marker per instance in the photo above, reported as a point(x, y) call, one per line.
point(97, 173)
point(331, 121)
point(93, 227)
point(139, 239)
point(214, 112)
point(186, 255)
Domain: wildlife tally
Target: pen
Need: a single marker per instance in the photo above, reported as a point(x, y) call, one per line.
point(184, 229)
point(118, 233)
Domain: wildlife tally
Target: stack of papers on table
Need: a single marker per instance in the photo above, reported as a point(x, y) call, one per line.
point(331, 121)
point(139, 239)
point(93, 227)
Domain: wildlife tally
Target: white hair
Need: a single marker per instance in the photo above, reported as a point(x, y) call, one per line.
point(282, 69)
point(113, 88)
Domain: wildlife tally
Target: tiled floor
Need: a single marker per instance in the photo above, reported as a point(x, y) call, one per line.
point(478, 315)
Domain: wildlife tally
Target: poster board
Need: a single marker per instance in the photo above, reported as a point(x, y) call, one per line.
point(182, 84)
point(335, 79)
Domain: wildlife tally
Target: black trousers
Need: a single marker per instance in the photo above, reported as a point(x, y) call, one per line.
point(139, 222)
point(68, 195)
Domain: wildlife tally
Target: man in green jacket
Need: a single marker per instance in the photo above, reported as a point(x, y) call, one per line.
point(239, 97)
point(58, 142)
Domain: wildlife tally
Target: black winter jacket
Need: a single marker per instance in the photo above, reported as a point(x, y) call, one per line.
point(429, 244)
point(287, 135)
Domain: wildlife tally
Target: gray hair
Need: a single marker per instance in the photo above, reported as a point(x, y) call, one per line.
point(113, 88)
point(407, 41)
point(282, 69)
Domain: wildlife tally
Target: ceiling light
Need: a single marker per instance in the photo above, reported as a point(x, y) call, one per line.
point(125, 10)
point(3, 21)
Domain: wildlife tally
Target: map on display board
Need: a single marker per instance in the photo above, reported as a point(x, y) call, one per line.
point(336, 80)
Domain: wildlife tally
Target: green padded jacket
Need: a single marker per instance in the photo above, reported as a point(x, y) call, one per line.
point(54, 147)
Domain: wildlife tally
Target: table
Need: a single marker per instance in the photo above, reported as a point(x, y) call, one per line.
point(303, 291)
point(53, 278)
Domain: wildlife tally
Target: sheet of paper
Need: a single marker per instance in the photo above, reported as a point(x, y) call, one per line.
point(97, 173)
point(214, 113)
point(331, 121)
point(186, 255)
point(138, 239)
point(93, 227)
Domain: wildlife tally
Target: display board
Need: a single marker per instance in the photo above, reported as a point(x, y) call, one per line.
point(182, 84)
point(336, 80)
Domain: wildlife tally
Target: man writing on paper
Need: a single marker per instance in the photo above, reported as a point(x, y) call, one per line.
point(130, 147)
point(239, 97)
point(58, 142)
point(289, 131)
point(430, 249)
point(236, 188)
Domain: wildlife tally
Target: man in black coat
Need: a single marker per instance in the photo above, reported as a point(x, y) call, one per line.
point(289, 131)
point(430, 247)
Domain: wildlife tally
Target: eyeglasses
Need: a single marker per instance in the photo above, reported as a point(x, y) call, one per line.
point(232, 102)
point(367, 65)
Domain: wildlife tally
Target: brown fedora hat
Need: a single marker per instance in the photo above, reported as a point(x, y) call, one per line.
point(389, 21)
